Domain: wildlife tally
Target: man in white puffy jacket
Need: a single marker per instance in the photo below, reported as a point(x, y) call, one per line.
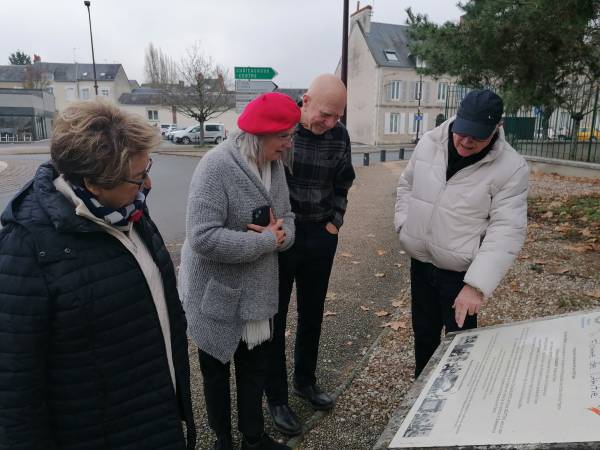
point(461, 214)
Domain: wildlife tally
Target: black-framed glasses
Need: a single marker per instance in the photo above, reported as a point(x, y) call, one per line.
point(145, 174)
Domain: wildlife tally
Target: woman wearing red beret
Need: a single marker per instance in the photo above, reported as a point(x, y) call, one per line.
point(238, 219)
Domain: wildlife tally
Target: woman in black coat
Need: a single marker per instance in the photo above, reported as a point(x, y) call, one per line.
point(93, 348)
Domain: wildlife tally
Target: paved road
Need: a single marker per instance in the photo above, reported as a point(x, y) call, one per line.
point(167, 201)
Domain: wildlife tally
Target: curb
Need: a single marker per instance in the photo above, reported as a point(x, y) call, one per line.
point(313, 420)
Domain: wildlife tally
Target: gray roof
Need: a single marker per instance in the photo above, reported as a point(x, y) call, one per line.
point(12, 73)
point(153, 96)
point(386, 36)
point(63, 71)
point(294, 93)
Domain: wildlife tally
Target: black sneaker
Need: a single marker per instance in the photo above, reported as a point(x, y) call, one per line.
point(266, 443)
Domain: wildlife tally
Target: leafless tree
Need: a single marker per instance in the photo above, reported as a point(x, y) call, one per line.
point(160, 69)
point(196, 86)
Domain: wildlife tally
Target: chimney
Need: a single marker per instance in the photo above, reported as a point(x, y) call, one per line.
point(37, 58)
point(363, 16)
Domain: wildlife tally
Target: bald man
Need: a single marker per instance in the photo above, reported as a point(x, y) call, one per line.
point(319, 174)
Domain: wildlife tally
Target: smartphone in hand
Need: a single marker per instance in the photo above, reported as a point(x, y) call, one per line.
point(261, 216)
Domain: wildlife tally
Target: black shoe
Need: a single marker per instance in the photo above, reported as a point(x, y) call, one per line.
point(319, 400)
point(266, 443)
point(223, 443)
point(285, 420)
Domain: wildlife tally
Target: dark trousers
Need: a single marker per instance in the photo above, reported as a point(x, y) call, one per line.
point(250, 376)
point(309, 263)
point(433, 293)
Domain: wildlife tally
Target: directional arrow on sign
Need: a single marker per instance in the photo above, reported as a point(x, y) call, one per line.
point(254, 86)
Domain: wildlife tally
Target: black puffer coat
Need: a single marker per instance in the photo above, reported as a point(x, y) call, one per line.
point(82, 357)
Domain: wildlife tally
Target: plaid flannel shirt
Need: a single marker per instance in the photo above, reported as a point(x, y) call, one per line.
point(322, 175)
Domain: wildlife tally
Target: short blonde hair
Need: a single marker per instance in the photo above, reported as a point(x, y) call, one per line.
point(95, 140)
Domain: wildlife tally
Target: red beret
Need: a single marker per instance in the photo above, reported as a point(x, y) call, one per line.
point(269, 113)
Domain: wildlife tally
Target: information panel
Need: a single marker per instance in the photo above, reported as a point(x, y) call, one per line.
point(531, 382)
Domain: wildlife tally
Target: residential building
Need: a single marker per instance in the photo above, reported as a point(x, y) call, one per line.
point(385, 92)
point(68, 82)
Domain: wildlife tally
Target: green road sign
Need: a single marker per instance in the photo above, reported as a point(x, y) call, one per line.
point(254, 73)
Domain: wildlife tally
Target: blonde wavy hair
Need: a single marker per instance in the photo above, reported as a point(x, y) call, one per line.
point(95, 140)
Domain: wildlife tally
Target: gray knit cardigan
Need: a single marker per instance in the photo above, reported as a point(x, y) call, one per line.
point(229, 275)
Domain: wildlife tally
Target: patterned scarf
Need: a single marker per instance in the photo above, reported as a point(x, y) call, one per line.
point(119, 218)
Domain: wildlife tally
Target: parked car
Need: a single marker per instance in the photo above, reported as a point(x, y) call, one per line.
point(169, 134)
point(585, 134)
point(213, 132)
point(165, 127)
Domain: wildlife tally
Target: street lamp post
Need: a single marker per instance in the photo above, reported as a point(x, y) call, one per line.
point(87, 4)
point(420, 64)
point(419, 107)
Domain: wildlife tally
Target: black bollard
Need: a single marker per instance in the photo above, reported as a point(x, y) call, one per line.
point(401, 154)
point(382, 156)
point(365, 159)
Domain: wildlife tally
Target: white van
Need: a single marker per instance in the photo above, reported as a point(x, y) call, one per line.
point(213, 132)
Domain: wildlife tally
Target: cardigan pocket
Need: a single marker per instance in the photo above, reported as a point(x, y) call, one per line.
point(220, 302)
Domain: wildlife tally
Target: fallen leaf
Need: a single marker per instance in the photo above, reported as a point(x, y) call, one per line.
point(331, 296)
point(560, 271)
point(380, 274)
point(370, 235)
point(540, 262)
point(586, 232)
point(594, 294)
point(397, 303)
point(398, 264)
point(349, 343)
point(365, 308)
point(548, 215)
point(562, 228)
point(395, 325)
point(329, 313)
point(580, 248)
point(346, 255)
point(402, 252)
point(381, 252)
point(534, 225)
point(355, 262)
point(382, 313)
point(523, 256)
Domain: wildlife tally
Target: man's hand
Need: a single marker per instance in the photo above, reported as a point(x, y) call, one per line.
point(469, 300)
point(331, 228)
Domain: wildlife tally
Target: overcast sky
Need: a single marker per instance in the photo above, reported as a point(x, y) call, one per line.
point(298, 38)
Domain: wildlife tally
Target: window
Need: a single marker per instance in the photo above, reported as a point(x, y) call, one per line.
point(211, 127)
point(390, 55)
point(105, 92)
point(394, 90)
point(417, 90)
point(70, 94)
point(392, 123)
point(442, 91)
point(152, 114)
point(85, 93)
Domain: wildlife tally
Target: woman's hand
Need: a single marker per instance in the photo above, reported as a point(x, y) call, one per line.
point(275, 225)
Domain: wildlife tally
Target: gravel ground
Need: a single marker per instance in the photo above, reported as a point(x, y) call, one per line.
point(366, 350)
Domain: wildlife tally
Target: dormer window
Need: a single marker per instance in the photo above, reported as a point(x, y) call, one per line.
point(390, 55)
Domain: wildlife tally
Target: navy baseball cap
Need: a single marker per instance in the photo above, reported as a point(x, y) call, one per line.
point(478, 114)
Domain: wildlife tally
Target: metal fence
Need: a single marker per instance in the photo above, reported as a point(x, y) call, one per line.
point(571, 133)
